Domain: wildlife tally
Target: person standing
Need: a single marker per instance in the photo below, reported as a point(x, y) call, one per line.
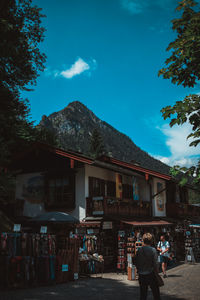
point(146, 262)
point(163, 247)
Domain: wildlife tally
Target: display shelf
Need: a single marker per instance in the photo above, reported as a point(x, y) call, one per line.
point(121, 257)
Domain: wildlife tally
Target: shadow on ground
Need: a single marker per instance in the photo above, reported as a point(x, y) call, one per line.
point(84, 289)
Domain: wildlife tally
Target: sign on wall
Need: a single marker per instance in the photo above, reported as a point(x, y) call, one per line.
point(17, 228)
point(43, 229)
point(65, 268)
point(97, 203)
point(107, 225)
point(30, 188)
point(159, 201)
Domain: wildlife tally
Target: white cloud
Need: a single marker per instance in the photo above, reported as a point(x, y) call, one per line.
point(138, 6)
point(77, 68)
point(133, 6)
point(181, 153)
point(171, 161)
point(51, 73)
point(177, 140)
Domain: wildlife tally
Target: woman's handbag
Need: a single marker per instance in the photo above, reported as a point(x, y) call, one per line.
point(159, 279)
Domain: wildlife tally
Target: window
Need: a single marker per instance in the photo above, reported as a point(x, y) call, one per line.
point(194, 196)
point(111, 188)
point(96, 187)
point(61, 191)
point(127, 191)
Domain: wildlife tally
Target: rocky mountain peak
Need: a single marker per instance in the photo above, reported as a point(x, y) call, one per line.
point(74, 126)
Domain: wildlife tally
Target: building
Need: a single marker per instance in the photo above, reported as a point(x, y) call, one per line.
point(110, 197)
point(52, 179)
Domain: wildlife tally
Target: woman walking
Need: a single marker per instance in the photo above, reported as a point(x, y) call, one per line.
point(146, 264)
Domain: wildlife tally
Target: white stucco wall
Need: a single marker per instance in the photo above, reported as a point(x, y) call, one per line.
point(30, 188)
point(34, 203)
point(27, 190)
point(144, 189)
point(91, 171)
point(80, 210)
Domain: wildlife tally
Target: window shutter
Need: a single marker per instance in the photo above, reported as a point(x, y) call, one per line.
point(90, 186)
point(102, 188)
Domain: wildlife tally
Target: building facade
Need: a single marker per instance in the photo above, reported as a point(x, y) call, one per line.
point(52, 179)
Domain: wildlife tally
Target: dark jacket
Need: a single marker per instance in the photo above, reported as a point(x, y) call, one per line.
point(146, 260)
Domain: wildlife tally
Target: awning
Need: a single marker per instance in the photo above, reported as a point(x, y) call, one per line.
point(55, 217)
point(148, 223)
point(195, 225)
point(89, 224)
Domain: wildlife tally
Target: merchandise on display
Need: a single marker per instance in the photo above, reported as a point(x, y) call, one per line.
point(192, 244)
point(29, 259)
point(90, 262)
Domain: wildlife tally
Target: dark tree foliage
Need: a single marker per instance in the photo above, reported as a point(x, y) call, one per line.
point(20, 64)
point(15, 132)
point(46, 136)
point(183, 67)
point(14, 127)
point(21, 32)
point(96, 144)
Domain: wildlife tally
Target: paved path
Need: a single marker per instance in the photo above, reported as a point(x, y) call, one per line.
point(182, 284)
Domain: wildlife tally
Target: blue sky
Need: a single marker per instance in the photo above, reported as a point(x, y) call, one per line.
point(106, 54)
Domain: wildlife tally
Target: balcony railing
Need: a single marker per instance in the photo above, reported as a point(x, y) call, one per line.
point(182, 210)
point(114, 207)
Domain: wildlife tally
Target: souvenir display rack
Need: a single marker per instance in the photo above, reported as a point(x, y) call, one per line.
point(29, 259)
point(121, 252)
point(130, 257)
point(90, 262)
point(138, 245)
point(192, 245)
point(196, 245)
point(179, 246)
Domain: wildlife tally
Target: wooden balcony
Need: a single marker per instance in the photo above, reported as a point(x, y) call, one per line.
point(141, 210)
point(182, 210)
point(114, 207)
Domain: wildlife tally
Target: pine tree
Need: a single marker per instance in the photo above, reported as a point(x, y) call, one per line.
point(96, 144)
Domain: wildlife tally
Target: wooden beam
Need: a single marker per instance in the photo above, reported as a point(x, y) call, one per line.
point(159, 192)
point(72, 163)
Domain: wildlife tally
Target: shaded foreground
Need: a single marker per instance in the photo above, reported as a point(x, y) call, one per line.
point(182, 283)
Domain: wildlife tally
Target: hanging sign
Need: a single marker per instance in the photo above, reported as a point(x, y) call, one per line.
point(65, 268)
point(119, 186)
point(90, 231)
point(43, 229)
point(75, 276)
point(159, 200)
point(107, 225)
point(99, 198)
point(97, 206)
point(121, 233)
point(189, 258)
point(17, 227)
